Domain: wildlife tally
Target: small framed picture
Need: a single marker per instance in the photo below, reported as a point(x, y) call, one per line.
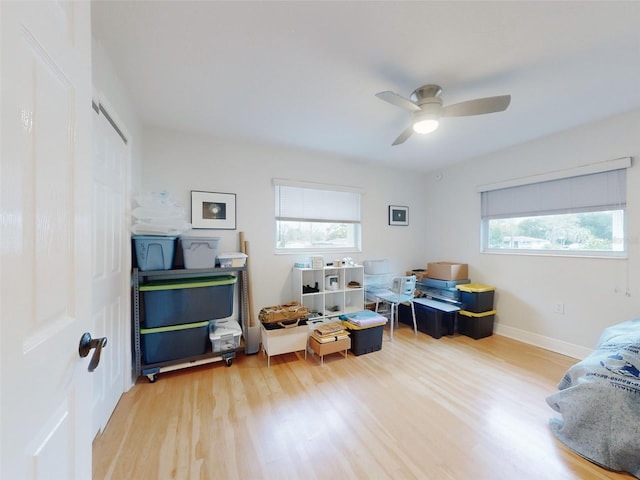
point(213, 210)
point(398, 215)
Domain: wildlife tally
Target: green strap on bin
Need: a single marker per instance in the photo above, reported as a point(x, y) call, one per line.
point(172, 328)
point(197, 282)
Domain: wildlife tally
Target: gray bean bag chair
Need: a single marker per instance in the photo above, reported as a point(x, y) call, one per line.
point(599, 401)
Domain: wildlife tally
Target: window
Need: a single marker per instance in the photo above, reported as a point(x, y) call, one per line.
point(577, 215)
point(316, 218)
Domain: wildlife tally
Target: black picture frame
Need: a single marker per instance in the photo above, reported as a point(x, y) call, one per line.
point(213, 210)
point(398, 215)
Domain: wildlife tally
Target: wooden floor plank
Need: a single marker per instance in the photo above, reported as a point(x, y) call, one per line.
point(420, 408)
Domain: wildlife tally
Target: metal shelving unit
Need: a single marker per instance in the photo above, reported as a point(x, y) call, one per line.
point(152, 370)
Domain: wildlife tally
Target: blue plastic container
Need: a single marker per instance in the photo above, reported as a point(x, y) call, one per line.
point(186, 300)
point(154, 252)
point(174, 342)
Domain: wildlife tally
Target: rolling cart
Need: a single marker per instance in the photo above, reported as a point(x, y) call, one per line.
point(170, 335)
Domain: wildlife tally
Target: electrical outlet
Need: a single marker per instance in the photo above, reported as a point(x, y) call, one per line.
point(558, 308)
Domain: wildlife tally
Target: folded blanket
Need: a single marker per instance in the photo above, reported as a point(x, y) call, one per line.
point(599, 400)
point(364, 318)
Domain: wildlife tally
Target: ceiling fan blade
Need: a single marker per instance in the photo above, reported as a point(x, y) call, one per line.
point(477, 107)
point(403, 136)
point(398, 100)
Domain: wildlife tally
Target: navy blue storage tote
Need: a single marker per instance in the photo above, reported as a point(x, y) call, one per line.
point(190, 300)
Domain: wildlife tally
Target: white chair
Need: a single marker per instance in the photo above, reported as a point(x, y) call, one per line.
point(402, 291)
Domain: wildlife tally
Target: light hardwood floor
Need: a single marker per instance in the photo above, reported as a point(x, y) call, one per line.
point(421, 408)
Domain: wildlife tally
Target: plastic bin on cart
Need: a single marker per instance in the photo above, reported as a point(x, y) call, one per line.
point(224, 335)
point(186, 300)
point(174, 342)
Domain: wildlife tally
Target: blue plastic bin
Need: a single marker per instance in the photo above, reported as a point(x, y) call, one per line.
point(154, 252)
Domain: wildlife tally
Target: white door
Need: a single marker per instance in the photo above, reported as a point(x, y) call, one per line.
point(45, 247)
point(110, 284)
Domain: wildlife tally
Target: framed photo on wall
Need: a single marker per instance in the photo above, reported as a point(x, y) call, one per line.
point(213, 210)
point(398, 215)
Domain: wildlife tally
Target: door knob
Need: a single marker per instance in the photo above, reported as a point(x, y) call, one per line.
point(86, 344)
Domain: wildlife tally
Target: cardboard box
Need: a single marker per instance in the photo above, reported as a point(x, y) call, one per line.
point(419, 273)
point(447, 271)
point(329, 347)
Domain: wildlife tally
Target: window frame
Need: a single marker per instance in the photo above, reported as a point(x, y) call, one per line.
point(520, 207)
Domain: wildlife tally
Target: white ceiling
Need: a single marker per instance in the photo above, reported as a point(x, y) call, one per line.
point(304, 74)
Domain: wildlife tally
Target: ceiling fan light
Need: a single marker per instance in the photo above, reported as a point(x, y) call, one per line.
point(425, 126)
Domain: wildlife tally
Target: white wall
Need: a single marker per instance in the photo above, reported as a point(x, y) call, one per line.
point(180, 162)
point(596, 292)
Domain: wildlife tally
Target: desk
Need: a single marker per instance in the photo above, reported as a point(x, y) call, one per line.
point(433, 317)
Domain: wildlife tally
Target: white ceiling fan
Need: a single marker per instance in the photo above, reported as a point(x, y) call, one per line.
point(426, 108)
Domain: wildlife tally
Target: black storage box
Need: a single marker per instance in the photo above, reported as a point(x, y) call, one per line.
point(476, 298)
point(476, 325)
point(366, 340)
point(176, 342)
point(175, 302)
point(429, 320)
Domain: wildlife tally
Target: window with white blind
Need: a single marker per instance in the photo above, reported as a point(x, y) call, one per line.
point(577, 215)
point(316, 218)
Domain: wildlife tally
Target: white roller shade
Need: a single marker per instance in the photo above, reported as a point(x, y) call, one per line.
point(594, 192)
point(301, 203)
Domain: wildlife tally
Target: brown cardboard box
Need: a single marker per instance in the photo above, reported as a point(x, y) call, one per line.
point(447, 271)
point(419, 273)
point(323, 349)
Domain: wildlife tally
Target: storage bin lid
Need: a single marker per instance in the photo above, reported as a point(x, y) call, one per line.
point(153, 237)
point(232, 255)
point(172, 328)
point(477, 315)
point(188, 240)
point(475, 287)
point(196, 282)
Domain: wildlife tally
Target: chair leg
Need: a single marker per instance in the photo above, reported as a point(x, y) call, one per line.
point(413, 314)
point(392, 321)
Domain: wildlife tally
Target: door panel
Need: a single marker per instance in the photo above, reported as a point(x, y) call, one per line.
point(110, 254)
point(45, 250)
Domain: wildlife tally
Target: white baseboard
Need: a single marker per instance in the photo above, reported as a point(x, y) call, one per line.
point(558, 346)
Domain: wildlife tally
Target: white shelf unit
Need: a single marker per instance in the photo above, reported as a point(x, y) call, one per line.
point(336, 300)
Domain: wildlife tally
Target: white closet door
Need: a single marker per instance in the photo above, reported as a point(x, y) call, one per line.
point(110, 267)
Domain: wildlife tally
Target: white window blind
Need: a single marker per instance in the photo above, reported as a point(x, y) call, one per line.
point(313, 217)
point(585, 193)
point(297, 203)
